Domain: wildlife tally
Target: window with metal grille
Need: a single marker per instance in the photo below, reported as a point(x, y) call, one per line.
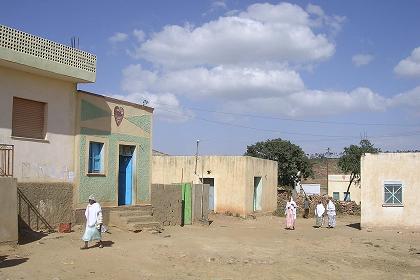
point(336, 195)
point(96, 157)
point(393, 194)
point(28, 118)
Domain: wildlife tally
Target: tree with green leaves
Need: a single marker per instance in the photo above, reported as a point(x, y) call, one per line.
point(349, 162)
point(292, 160)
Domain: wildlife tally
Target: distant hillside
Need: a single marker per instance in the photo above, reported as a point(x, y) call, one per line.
point(320, 171)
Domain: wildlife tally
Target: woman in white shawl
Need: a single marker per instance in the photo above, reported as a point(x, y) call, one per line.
point(293, 206)
point(93, 216)
point(288, 212)
point(331, 214)
point(319, 214)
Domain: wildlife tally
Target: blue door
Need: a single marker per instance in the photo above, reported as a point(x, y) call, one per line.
point(125, 180)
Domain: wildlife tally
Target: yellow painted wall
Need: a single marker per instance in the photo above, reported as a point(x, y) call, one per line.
point(376, 169)
point(339, 183)
point(40, 161)
point(233, 178)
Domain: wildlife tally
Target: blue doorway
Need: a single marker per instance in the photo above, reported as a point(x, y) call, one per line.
point(125, 175)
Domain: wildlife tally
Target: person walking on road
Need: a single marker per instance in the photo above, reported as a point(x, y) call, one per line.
point(319, 214)
point(306, 208)
point(93, 228)
point(331, 214)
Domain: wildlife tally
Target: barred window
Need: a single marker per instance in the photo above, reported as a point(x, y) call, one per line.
point(393, 194)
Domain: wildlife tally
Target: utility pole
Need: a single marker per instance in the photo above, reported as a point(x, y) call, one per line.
point(196, 157)
point(328, 153)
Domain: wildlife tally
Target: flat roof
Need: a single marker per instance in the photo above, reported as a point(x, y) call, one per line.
point(30, 53)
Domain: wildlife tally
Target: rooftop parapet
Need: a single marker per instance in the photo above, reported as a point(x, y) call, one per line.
point(35, 54)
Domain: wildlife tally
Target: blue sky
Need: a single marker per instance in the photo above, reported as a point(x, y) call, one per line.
point(230, 73)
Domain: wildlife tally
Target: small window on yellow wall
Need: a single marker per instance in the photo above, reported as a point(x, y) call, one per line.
point(96, 158)
point(28, 118)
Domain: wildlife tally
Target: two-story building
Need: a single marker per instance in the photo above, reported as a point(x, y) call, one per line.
point(66, 143)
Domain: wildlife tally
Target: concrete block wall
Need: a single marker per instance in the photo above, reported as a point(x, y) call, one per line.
point(54, 201)
point(8, 210)
point(167, 204)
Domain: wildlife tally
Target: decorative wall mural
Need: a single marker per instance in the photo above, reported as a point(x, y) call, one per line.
point(118, 114)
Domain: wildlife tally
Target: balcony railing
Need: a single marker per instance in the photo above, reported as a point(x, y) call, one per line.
point(39, 53)
point(6, 160)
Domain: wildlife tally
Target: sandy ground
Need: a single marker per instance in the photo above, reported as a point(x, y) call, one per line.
point(230, 248)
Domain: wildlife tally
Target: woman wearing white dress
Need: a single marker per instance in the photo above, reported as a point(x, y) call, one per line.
point(319, 214)
point(331, 214)
point(93, 228)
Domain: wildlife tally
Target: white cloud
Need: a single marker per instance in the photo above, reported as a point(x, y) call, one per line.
point(246, 61)
point(410, 66)
point(314, 103)
point(410, 98)
point(228, 82)
point(320, 19)
point(137, 83)
point(219, 4)
point(166, 105)
point(362, 59)
point(118, 37)
point(279, 33)
point(139, 35)
point(280, 92)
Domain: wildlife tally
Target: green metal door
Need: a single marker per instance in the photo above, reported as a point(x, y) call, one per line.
point(187, 203)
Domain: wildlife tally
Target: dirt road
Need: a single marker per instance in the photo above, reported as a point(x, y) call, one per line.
point(230, 248)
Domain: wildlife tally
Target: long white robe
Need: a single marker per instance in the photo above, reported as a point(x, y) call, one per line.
point(319, 210)
point(330, 208)
point(93, 216)
point(294, 207)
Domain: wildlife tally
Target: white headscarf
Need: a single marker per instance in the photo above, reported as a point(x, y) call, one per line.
point(319, 210)
point(292, 202)
point(330, 206)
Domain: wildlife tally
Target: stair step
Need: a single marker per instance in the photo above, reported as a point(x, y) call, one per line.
point(132, 208)
point(141, 226)
point(135, 213)
point(139, 219)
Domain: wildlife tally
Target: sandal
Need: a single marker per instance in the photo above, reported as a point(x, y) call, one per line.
point(83, 248)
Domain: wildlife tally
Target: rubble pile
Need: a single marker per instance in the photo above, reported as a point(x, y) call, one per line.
point(342, 207)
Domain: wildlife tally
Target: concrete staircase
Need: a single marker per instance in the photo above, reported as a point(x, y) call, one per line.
point(133, 218)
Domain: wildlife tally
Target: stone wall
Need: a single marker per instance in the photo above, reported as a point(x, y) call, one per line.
point(167, 204)
point(8, 216)
point(341, 207)
point(54, 201)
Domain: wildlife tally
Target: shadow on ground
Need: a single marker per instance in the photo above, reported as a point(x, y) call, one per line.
point(27, 235)
point(6, 262)
point(108, 243)
point(355, 226)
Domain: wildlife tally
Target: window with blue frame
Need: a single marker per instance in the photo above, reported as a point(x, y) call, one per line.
point(96, 157)
point(347, 196)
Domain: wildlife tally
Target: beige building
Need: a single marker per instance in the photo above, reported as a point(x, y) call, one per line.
point(63, 144)
point(238, 184)
point(390, 190)
point(337, 188)
point(38, 81)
